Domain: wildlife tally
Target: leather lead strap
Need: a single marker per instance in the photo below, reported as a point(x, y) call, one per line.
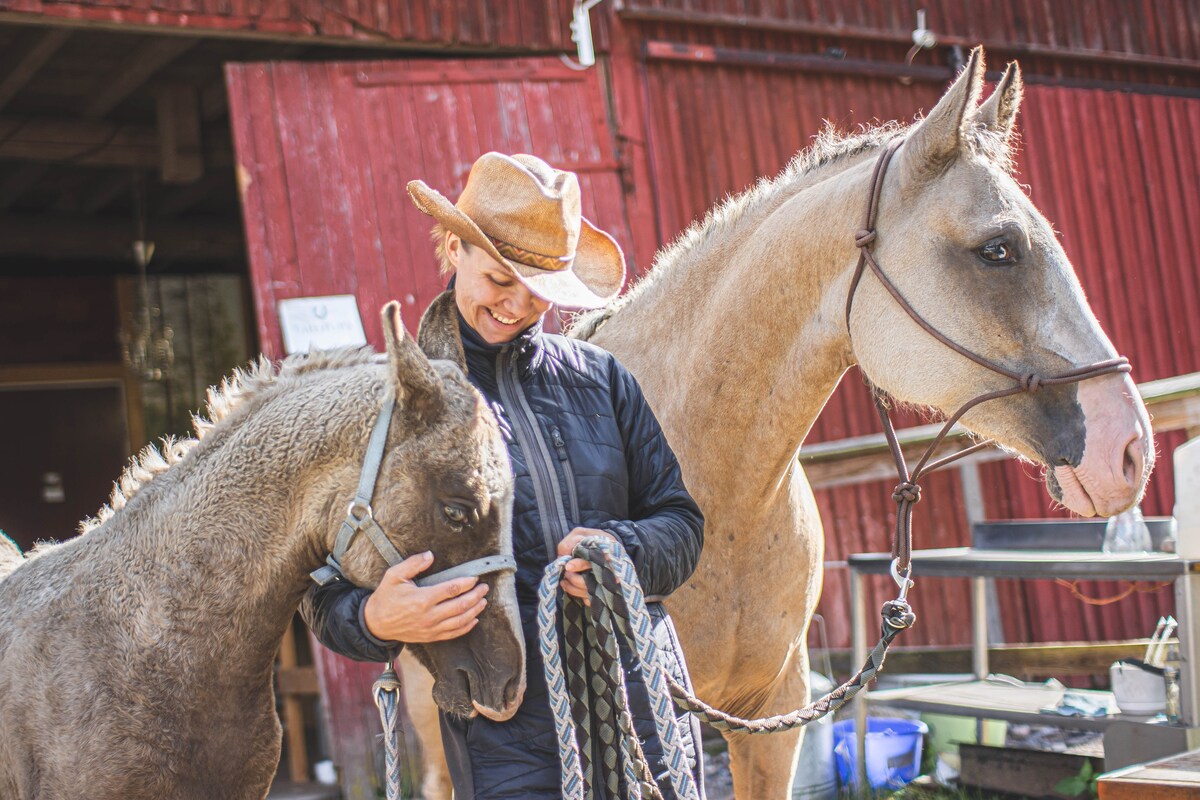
point(908, 492)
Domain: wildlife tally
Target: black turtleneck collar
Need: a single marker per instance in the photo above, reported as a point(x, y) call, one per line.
point(481, 356)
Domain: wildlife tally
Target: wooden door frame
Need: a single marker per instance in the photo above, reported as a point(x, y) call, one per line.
point(75, 376)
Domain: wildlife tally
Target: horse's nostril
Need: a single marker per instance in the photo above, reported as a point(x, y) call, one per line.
point(512, 690)
point(1062, 461)
point(1132, 466)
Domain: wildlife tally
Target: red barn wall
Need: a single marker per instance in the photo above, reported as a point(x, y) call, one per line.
point(1114, 171)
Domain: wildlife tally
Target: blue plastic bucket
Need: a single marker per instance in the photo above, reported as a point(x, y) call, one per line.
point(893, 751)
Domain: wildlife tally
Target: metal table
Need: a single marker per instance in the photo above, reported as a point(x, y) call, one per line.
point(991, 700)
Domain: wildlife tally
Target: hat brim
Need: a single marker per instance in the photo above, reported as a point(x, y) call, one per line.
point(593, 278)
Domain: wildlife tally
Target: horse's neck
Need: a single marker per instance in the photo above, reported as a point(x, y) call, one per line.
point(223, 535)
point(739, 346)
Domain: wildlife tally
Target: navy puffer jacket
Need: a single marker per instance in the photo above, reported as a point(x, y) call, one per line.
point(576, 422)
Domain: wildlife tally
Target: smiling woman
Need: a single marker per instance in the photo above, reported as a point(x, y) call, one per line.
point(489, 296)
point(588, 458)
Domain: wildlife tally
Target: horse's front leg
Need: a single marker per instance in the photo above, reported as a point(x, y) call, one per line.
point(763, 766)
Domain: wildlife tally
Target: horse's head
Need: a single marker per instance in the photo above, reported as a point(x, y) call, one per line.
point(974, 257)
point(445, 485)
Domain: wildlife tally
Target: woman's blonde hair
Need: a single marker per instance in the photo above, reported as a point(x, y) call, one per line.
point(438, 234)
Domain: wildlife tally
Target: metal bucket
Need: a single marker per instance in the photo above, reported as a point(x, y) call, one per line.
point(816, 774)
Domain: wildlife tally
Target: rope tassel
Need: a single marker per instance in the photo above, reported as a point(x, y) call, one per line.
point(387, 697)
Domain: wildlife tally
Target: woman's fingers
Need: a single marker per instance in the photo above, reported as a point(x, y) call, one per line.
point(573, 584)
point(462, 604)
point(458, 624)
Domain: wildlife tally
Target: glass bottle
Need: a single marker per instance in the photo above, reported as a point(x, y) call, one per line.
point(1127, 533)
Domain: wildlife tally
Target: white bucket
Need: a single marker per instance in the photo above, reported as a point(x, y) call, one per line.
point(1138, 690)
point(1187, 499)
point(816, 774)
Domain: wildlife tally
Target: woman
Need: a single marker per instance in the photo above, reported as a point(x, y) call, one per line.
point(588, 457)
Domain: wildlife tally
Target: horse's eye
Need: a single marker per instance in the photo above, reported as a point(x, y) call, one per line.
point(456, 516)
point(997, 251)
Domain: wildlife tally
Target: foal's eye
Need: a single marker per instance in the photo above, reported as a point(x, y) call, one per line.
point(456, 516)
point(997, 251)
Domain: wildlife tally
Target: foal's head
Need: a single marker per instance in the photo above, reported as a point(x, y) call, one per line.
point(975, 258)
point(445, 485)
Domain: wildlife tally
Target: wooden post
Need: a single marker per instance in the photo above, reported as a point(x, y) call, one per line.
point(293, 712)
point(180, 146)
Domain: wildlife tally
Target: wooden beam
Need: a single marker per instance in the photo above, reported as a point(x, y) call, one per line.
point(42, 49)
point(183, 199)
point(1028, 661)
point(101, 238)
point(92, 143)
point(179, 140)
point(86, 143)
point(214, 101)
point(137, 68)
point(103, 192)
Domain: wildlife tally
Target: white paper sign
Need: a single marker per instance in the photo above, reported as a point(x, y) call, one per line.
point(320, 323)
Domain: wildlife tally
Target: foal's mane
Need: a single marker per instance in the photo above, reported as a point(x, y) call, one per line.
point(242, 388)
point(830, 148)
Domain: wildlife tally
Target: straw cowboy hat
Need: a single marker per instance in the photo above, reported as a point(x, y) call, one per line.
point(526, 215)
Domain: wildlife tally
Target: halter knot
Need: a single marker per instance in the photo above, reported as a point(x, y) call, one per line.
point(1031, 382)
point(863, 237)
point(907, 492)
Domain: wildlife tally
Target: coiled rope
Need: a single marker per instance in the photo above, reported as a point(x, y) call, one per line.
point(583, 701)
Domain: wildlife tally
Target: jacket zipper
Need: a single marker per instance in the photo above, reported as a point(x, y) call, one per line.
point(541, 468)
point(568, 474)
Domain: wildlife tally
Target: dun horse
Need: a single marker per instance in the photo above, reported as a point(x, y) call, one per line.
point(136, 659)
point(738, 336)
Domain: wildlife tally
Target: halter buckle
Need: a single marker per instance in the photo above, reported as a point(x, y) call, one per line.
point(364, 512)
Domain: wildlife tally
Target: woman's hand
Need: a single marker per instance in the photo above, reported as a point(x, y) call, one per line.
point(572, 581)
point(399, 610)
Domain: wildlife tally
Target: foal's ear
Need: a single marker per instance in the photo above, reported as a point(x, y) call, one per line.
point(438, 333)
point(934, 142)
point(999, 111)
point(418, 386)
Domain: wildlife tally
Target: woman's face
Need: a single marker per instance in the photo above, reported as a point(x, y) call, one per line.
point(489, 296)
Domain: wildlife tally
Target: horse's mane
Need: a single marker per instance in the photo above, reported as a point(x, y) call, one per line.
point(237, 390)
point(830, 148)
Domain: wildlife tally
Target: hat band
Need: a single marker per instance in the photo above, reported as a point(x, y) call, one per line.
point(530, 258)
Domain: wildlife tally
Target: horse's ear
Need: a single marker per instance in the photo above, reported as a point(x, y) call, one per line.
point(934, 142)
point(418, 386)
point(438, 333)
point(999, 111)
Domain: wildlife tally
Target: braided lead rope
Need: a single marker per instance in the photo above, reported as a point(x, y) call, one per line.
point(612, 717)
point(602, 553)
point(579, 689)
point(614, 568)
point(387, 697)
point(556, 681)
point(897, 616)
point(609, 618)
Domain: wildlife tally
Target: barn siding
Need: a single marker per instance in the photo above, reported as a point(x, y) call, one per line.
point(325, 151)
point(1108, 31)
point(516, 25)
point(1112, 170)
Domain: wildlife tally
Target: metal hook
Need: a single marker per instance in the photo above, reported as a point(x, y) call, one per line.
point(903, 581)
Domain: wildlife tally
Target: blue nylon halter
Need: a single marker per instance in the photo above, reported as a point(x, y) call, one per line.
point(360, 518)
